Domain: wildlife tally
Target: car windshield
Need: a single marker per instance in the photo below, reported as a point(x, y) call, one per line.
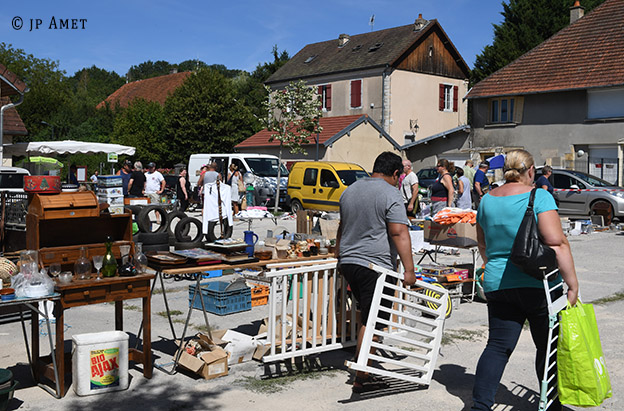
point(591, 180)
point(11, 181)
point(265, 167)
point(349, 177)
point(428, 173)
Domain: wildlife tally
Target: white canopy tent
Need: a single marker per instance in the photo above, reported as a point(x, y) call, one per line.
point(65, 147)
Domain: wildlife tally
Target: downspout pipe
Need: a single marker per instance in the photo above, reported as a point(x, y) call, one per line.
point(2, 109)
point(384, 74)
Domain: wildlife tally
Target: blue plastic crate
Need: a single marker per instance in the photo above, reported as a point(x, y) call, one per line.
point(212, 273)
point(221, 302)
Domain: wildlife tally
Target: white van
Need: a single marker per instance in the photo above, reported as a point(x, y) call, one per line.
point(12, 179)
point(263, 168)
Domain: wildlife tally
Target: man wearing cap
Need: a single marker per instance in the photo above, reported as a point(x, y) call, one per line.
point(154, 183)
point(125, 173)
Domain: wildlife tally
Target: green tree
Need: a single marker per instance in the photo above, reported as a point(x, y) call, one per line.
point(204, 116)
point(141, 125)
point(149, 69)
point(293, 116)
point(526, 24)
point(49, 90)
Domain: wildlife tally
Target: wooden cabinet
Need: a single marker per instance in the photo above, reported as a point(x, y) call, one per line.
point(59, 224)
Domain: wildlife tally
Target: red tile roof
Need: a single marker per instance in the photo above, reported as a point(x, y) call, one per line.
point(331, 127)
point(13, 124)
point(588, 53)
point(151, 89)
point(10, 84)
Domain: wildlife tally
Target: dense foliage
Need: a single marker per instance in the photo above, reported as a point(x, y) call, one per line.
point(215, 109)
point(526, 23)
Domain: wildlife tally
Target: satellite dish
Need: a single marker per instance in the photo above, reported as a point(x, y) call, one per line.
point(580, 153)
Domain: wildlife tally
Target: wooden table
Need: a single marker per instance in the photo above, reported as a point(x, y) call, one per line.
point(86, 292)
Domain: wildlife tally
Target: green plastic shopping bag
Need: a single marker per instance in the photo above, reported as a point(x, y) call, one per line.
point(582, 376)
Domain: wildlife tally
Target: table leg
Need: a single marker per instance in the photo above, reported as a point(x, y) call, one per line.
point(34, 337)
point(147, 337)
point(60, 346)
point(119, 315)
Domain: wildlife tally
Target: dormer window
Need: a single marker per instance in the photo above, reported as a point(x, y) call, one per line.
point(357, 48)
point(309, 59)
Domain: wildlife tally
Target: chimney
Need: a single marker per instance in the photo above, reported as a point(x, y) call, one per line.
point(420, 23)
point(576, 11)
point(343, 39)
point(173, 70)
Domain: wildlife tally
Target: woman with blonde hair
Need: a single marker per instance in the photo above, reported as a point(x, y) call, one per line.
point(513, 296)
point(442, 190)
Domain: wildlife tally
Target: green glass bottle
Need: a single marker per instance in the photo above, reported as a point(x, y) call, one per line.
point(109, 265)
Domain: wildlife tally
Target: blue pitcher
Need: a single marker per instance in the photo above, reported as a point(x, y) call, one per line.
point(250, 239)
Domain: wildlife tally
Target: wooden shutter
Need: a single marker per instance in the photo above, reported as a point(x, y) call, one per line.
point(441, 98)
point(356, 93)
point(455, 101)
point(328, 97)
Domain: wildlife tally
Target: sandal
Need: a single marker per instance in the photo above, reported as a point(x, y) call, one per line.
point(368, 383)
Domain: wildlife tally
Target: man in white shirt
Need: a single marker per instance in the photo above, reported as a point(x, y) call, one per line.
point(154, 183)
point(409, 189)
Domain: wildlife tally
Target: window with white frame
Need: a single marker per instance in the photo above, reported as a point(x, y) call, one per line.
point(324, 93)
point(448, 97)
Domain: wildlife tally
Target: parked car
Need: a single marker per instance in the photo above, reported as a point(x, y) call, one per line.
point(318, 185)
point(262, 170)
point(12, 179)
point(579, 193)
point(426, 177)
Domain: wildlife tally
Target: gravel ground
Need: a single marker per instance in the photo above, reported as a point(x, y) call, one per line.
point(324, 383)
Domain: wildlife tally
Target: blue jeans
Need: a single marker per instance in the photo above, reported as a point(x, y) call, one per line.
point(507, 312)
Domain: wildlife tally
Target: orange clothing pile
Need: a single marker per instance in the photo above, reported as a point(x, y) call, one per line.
point(450, 215)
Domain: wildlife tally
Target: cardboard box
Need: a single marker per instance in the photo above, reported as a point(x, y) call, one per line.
point(455, 235)
point(211, 363)
point(239, 347)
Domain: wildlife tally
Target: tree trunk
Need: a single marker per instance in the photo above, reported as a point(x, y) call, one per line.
point(279, 176)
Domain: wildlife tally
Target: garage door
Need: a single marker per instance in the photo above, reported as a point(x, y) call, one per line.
point(603, 163)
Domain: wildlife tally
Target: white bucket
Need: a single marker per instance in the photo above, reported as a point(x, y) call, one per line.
point(100, 362)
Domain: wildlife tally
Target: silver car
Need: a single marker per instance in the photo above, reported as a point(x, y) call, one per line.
point(579, 193)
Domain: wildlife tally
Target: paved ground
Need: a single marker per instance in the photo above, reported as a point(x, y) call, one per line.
point(598, 260)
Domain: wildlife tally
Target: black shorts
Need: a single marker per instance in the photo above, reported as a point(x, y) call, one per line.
point(362, 281)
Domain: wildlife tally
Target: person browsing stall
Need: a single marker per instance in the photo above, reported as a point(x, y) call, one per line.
point(543, 180)
point(481, 183)
point(409, 189)
point(154, 183)
point(464, 199)
point(514, 297)
point(137, 181)
point(125, 172)
point(373, 229)
point(442, 190)
point(183, 189)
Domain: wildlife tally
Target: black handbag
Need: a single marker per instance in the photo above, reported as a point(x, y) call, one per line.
point(528, 252)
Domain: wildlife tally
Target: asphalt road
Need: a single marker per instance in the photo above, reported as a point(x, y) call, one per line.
point(324, 382)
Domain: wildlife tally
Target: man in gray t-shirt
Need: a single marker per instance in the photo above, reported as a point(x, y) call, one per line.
point(373, 229)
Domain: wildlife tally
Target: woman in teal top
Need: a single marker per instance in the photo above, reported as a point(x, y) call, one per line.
point(514, 297)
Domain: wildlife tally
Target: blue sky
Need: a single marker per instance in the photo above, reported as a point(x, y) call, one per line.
point(239, 33)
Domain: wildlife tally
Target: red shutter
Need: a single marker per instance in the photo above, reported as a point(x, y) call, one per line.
point(328, 97)
point(356, 93)
point(320, 96)
point(455, 93)
point(441, 98)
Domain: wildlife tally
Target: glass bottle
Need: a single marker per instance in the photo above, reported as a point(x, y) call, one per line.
point(82, 266)
point(109, 266)
point(140, 259)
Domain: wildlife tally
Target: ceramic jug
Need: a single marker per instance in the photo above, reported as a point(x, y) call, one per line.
point(251, 239)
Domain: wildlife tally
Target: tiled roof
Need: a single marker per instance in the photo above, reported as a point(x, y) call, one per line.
point(331, 126)
point(588, 53)
point(13, 124)
point(10, 84)
point(356, 54)
point(151, 89)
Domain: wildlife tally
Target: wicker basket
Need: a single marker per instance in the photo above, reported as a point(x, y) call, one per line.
point(7, 269)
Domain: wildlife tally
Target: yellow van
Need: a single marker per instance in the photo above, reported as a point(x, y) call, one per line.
point(318, 185)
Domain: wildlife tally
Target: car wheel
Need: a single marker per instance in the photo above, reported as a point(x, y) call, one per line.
point(183, 227)
point(603, 208)
point(295, 205)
